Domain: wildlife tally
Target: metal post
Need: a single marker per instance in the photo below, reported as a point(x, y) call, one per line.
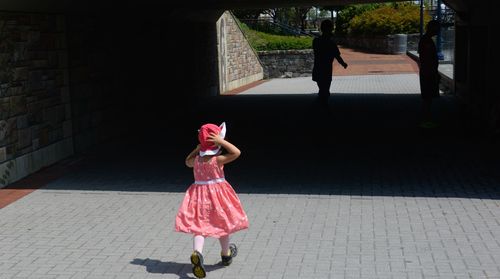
point(439, 39)
point(421, 18)
point(316, 20)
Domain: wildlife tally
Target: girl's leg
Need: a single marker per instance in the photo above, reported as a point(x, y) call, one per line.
point(198, 242)
point(224, 245)
point(229, 250)
point(197, 257)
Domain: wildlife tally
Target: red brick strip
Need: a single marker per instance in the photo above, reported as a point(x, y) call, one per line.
point(245, 87)
point(31, 183)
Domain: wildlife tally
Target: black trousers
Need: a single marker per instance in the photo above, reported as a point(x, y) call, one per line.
point(324, 90)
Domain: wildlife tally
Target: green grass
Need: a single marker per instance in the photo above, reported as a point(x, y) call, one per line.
point(261, 41)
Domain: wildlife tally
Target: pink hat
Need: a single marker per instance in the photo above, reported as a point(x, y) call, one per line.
point(208, 147)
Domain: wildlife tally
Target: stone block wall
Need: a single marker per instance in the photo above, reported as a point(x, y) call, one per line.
point(35, 110)
point(95, 64)
point(238, 63)
point(287, 63)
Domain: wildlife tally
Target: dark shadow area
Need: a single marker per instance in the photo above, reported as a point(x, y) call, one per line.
point(181, 269)
point(365, 144)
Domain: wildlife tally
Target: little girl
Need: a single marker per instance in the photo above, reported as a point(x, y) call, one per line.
point(211, 207)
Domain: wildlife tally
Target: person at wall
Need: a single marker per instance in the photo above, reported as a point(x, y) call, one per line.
point(428, 72)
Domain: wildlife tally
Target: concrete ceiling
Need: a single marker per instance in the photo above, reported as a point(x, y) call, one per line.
point(186, 8)
point(249, 4)
point(180, 7)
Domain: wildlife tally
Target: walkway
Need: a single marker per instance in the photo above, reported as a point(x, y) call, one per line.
point(367, 73)
point(356, 84)
point(356, 192)
point(363, 63)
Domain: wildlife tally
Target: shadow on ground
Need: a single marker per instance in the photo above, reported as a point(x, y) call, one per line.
point(365, 144)
point(181, 269)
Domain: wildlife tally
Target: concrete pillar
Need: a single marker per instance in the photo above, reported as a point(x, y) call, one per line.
point(475, 60)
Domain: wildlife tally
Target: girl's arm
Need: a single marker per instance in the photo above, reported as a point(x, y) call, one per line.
point(232, 151)
point(190, 158)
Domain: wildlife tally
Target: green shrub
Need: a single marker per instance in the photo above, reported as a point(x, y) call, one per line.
point(347, 13)
point(388, 19)
point(261, 41)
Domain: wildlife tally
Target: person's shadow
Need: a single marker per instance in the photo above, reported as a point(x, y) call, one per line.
point(180, 269)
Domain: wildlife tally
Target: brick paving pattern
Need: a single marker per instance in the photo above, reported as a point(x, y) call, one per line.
point(361, 63)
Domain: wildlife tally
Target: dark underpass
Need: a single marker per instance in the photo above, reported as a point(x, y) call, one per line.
point(365, 145)
point(113, 94)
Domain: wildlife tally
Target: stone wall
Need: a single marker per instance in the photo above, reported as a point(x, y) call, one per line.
point(98, 87)
point(287, 63)
point(238, 63)
point(35, 111)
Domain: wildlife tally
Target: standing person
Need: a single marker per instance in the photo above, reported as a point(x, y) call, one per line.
point(428, 72)
point(211, 208)
point(325, 51)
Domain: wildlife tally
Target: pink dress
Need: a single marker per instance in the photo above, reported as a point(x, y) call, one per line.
point(210, 206)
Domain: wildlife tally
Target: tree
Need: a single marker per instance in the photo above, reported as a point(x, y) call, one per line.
point(248, 14)
point(301, 16)
point(283, 15)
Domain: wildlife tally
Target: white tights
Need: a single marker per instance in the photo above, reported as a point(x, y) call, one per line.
point(199, 240)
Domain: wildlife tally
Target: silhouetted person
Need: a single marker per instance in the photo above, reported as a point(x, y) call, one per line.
point(429, 75)
point(325, 51)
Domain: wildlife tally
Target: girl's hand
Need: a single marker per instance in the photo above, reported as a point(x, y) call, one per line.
point(215, 138)
point(232, 151)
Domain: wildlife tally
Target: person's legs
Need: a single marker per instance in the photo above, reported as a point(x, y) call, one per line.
point(228, 250)
point(224, 245)
point(429, 89)
point(198, 242)
point(197, 257)
point(426, 109)
point(324, 91)
point(427, 119)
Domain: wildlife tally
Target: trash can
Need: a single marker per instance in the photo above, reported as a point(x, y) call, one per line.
point(399, 43)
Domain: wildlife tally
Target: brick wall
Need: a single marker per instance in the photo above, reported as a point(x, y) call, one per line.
point(238, 63)
point(35, 111)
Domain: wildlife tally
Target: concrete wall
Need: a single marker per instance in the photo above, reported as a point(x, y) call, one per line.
point(239, 65)
point(35, 111)
point(476, 60)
